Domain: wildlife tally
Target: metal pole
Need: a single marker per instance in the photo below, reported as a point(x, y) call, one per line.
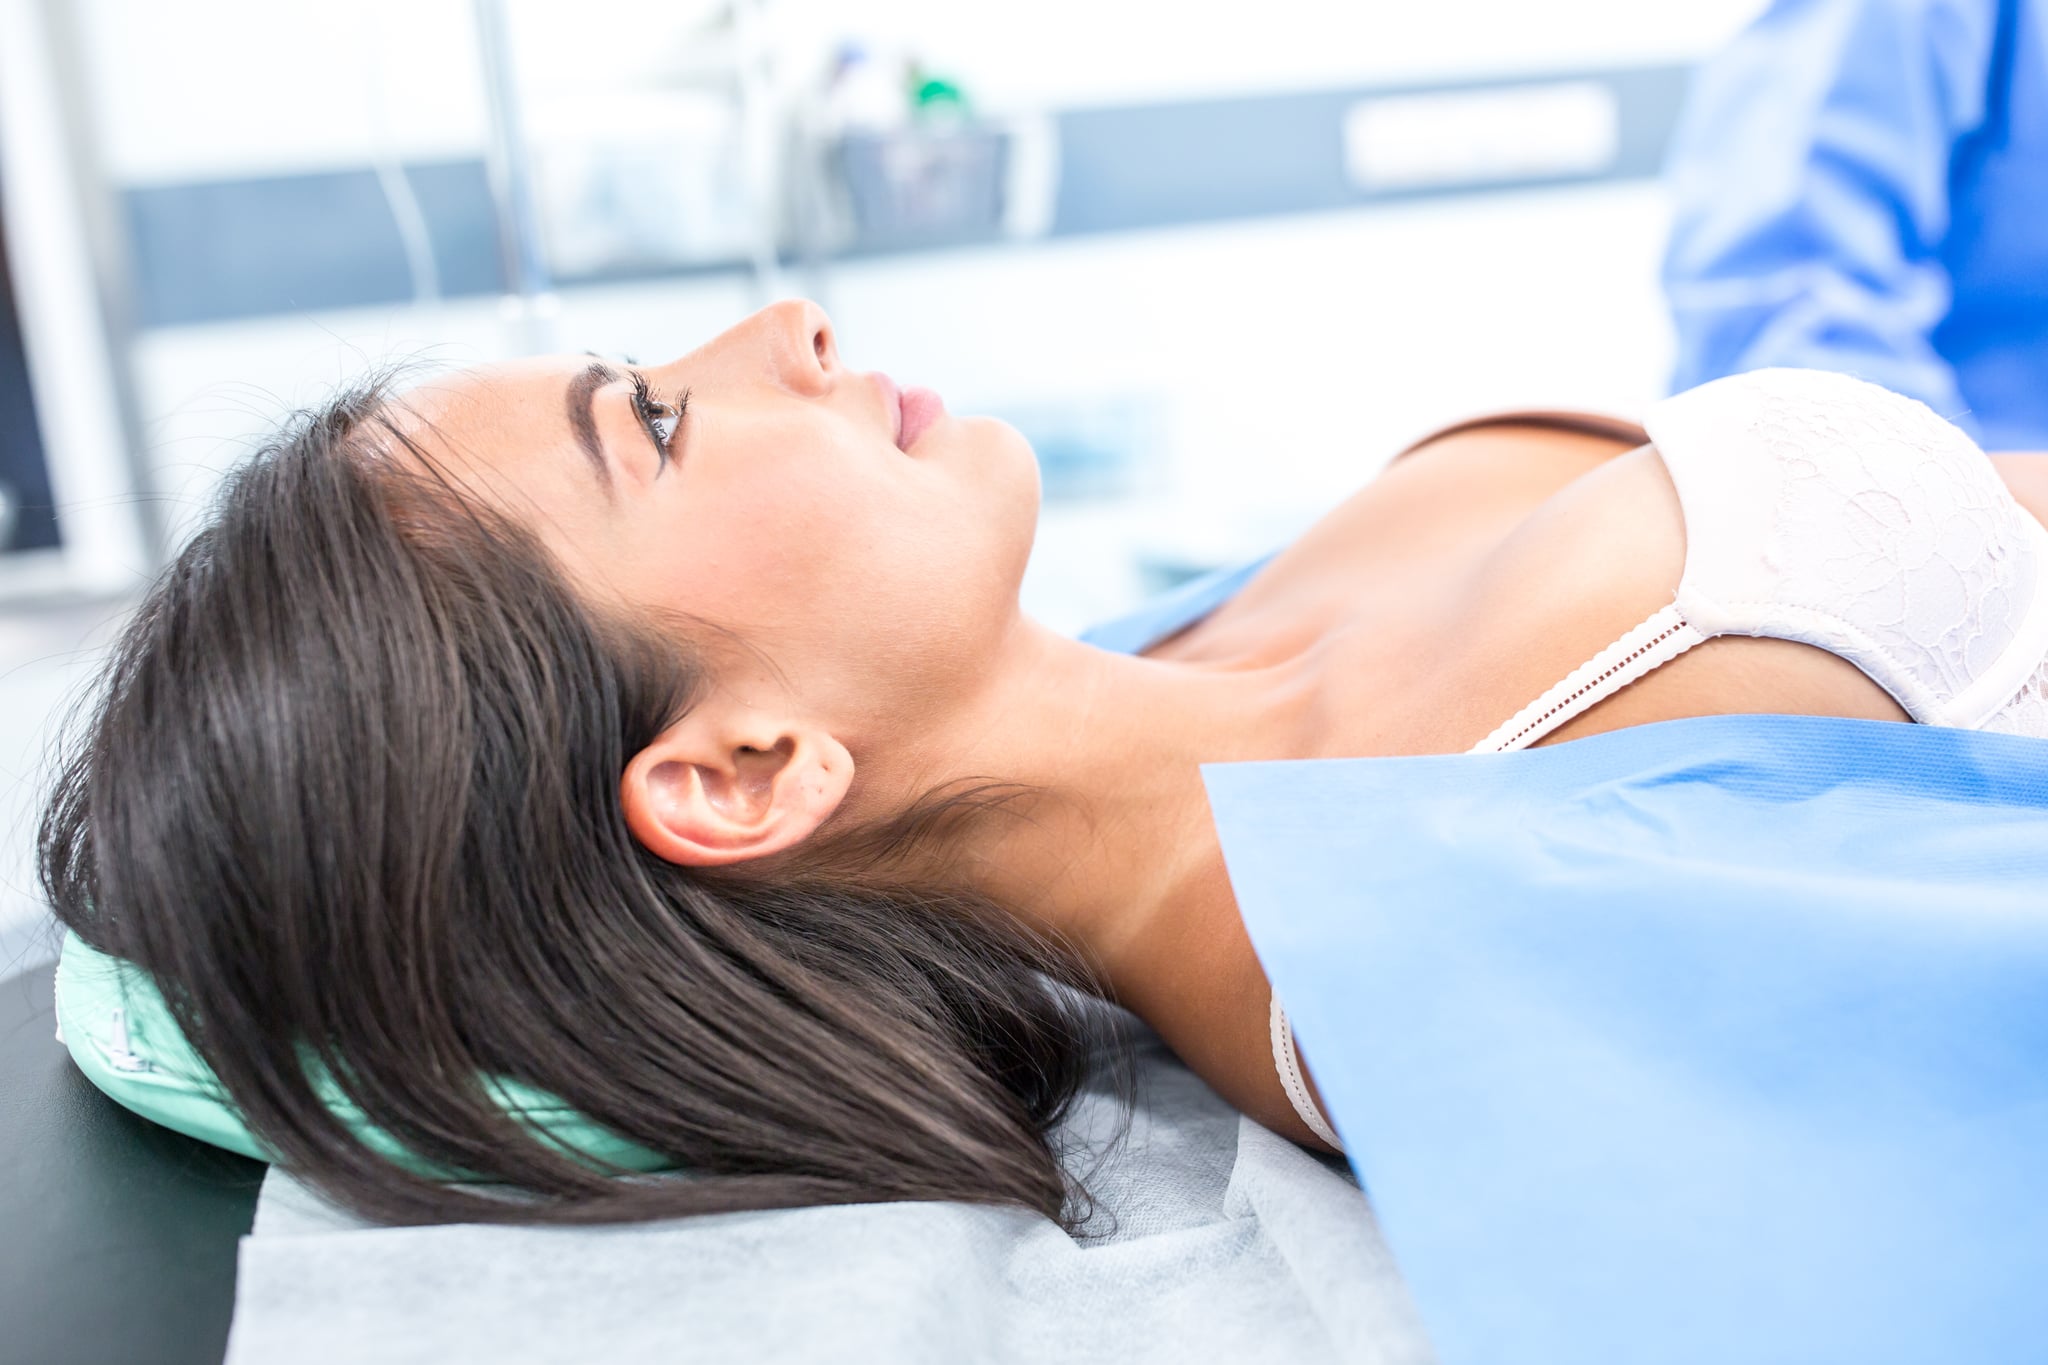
point(529, 303)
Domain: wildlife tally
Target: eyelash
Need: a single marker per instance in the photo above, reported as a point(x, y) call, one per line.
point(651, 408)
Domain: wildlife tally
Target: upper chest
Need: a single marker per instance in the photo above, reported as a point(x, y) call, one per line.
point(1383, 586)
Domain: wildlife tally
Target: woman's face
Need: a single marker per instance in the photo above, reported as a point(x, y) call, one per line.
point(869, 547)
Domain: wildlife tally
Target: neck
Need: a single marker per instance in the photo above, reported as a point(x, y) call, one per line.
point(1116, 852)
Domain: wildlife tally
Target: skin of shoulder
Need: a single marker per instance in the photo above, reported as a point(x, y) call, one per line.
point(1601, 556)
point(2026, 474)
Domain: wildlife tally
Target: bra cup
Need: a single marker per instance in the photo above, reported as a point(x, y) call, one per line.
point(1824, 509)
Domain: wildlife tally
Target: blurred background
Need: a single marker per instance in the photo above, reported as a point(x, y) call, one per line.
point(1217, 262)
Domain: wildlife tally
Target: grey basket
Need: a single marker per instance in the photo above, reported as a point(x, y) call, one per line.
point(924, 186)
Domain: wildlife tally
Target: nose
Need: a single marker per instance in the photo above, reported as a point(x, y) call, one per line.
point(806, 355)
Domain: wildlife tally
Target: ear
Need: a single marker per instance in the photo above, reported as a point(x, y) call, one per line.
point(715, 790)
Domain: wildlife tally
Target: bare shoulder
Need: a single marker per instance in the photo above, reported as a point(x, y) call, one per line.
point(2026, 474)
point(1375, 558)
point(1593, 561)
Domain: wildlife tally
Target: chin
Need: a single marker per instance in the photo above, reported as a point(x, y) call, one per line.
point(1024, 491)
point(1008, 464)
point(1005, 487)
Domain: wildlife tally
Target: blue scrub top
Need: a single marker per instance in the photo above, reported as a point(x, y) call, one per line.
point(1709, 1041)
point(1862, 186)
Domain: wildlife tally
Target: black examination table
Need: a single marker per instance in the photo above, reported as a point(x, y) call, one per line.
point(117, 1237)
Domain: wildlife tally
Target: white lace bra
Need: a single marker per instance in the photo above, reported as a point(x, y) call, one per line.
point(1823, 509)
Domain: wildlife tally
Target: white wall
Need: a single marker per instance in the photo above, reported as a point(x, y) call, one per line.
point(243, 87)
point(220, 89)
point(1087, 52)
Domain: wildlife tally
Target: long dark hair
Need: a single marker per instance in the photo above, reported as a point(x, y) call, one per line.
point(351, 794)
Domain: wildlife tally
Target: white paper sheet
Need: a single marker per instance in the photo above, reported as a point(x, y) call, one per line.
point(1231, 1244)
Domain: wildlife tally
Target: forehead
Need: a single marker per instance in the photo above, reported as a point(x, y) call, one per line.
point(529, 389)
point(501, 429)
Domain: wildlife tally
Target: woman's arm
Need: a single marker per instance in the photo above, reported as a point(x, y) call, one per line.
point(2026, 474)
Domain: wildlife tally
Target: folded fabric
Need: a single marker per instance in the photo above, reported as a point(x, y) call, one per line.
point(1221, 1241)
point(1716, 1040)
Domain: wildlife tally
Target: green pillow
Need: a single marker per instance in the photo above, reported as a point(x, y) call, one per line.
point(124, 1038)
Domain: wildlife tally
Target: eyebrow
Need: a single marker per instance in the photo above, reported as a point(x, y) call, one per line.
point(582, 393)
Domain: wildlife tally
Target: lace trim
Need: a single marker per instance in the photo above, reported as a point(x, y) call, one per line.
point(1288, 1063)
point(2027, 711)
point(1890, 518)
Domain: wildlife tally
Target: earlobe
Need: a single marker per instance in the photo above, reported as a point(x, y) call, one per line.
point(703, 796)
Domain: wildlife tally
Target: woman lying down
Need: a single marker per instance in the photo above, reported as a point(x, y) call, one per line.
point(669, 740)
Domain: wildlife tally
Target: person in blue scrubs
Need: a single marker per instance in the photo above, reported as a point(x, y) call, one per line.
point(1862, 186)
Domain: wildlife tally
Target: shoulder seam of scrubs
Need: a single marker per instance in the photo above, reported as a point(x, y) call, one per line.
point(1288, 1063)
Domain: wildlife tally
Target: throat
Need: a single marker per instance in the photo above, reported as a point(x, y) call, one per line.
point(1114, 852)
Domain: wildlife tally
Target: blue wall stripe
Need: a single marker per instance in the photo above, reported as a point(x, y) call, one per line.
point(1162, 164)
point(241, 248)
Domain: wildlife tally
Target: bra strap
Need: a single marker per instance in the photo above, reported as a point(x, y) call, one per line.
point(1288, 1063)
point(1655, 642)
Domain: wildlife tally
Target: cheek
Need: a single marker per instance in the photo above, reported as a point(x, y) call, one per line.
point(795, 561)
point(874, 585)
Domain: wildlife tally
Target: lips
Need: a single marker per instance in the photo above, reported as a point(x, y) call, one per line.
point(920, 408)
point(912, 410)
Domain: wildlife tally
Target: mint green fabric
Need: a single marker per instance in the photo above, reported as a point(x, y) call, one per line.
point(124, 1038)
